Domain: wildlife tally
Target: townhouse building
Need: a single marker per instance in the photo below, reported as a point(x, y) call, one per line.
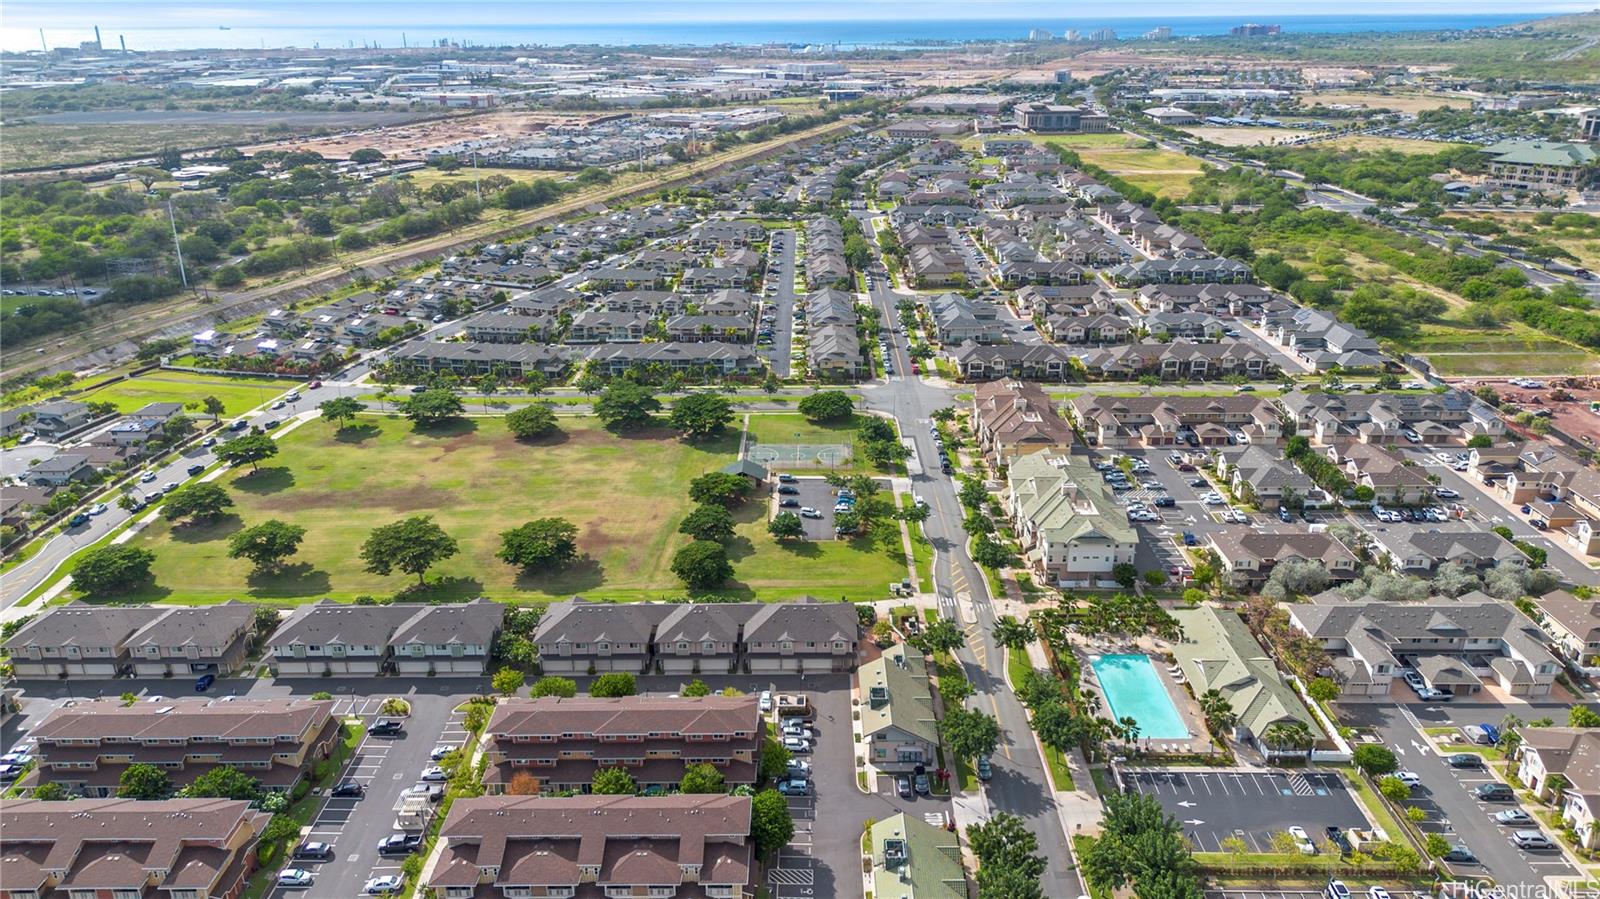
point(693, 846)
point(711, 357)
point(1328, 418)
point(121, 848)
point(1116, 421)
point(1262, 476)
point(331, 639)
point(83, 640)
point(1456, 644)
point(86, 747)
point(1379, 468)
point(1571, 754)
point(1573, 625)
point(1037, 362)
point(1252, 555)
point(595, 326)
point(1421, 551)
point(557, 744)
point(898, 724)
point(579, 636)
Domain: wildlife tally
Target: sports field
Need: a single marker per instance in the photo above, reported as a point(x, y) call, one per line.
point(625, 494)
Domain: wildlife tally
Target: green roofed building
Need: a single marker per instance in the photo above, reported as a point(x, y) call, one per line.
point(1218, 652)
point(897, 718)
point(912, 859)
point(1537, 164)
point(1072, 532)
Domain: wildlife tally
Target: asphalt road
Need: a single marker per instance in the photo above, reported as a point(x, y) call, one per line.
point(783, 303)
point(1020, 785)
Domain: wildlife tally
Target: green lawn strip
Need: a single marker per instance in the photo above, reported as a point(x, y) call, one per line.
point(1017, 666)
point(67, 565)
point(921, 549)
point(477, 481)
point(1060, 772)
point(991, 577)
point(1377, 806)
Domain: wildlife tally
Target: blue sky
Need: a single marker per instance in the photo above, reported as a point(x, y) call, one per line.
point(115, 14)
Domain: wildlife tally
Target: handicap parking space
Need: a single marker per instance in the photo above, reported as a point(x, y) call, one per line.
point(1252, 805)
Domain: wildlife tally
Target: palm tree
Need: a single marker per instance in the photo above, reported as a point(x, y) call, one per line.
point(1130, 729)
point(1013, 634)
point(1291, 735)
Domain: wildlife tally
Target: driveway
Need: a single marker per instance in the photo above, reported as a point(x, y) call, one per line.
point(781, 302)
point(1252, 805)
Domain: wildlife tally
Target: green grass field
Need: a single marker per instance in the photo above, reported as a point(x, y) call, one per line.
point(237, 394)
point(625, 494)
point(792, 427)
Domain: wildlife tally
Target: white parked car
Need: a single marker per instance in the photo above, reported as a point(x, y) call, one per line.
point(294, 877)
point(765, 702)
point(1302, 840)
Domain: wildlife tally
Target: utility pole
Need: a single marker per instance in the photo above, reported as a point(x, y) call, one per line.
point(182, 274)
point(476, 185)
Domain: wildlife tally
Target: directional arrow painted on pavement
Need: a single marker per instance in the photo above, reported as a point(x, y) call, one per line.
point(1418, 746)
point(1194, 822)
point(1186, 804)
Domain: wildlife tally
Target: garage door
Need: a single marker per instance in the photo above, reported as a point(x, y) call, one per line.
point(412, 667)
point(561, 666)
point(677, 666)
point(298, 669)
point(461, 666)
point(766, 666)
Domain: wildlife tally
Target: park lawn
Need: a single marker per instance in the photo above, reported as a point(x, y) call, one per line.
point(625, 494)
point(237, 394)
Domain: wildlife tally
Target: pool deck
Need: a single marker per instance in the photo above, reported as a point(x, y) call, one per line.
point(1198, 742)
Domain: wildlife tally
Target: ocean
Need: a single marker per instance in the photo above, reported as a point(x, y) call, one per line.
point(845, 34)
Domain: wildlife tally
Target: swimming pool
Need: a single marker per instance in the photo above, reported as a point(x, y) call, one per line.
point(1133, 690)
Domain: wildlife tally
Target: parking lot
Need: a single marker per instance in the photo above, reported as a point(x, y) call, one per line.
point(1446, 796)
point(385, 767)
point(1252, 805)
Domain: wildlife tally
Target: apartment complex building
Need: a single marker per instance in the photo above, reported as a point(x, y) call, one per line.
point(126, 848)
point(686, 845)
point(1071, 530)
point(560, 743)
point(85, 747)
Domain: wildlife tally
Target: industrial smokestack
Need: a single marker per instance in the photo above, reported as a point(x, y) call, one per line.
point(97, 44)
point(124, 42)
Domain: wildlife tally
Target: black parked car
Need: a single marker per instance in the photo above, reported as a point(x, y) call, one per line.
point(788, 504)
point(348, 788)
point(400, 844)
point(786, 490)
point(385, 727)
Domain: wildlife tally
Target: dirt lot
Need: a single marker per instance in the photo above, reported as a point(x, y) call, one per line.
point(1570, 416)
point(1397, 102)
point(410, 141)
point(1242, 136)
